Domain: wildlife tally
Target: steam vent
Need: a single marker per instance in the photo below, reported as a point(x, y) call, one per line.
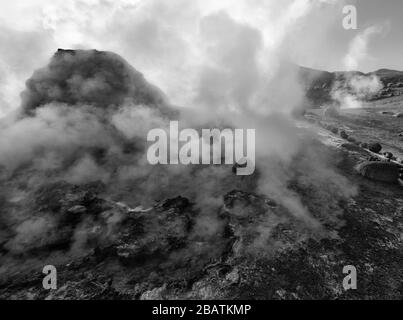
point(220, 152)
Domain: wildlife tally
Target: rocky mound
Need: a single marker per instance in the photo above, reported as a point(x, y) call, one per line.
point(88, 77)
point(379, 171)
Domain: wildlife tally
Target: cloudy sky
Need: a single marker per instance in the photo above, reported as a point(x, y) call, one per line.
point(169, 40)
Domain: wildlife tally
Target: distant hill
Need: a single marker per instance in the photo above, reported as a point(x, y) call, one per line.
point(319, 84)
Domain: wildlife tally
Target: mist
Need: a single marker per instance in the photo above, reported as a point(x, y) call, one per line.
point(84, 117)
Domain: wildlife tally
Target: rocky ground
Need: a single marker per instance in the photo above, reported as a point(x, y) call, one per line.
point(155, 253)
point(202, 233)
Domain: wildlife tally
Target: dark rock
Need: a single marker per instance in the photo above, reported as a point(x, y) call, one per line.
point(334, 130)
point(343, 134)
point(375, 147)
point(331, 128)
point(351, 147)
point(179, 203)
point(380, 171)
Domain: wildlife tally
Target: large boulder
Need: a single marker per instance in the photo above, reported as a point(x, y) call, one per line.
point(379, 171)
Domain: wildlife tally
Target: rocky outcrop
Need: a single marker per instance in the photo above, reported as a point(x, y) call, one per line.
point(89, 77)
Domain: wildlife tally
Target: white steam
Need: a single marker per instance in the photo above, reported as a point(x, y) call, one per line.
point(358, 49)
point(226, 61)
point(352, 92)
